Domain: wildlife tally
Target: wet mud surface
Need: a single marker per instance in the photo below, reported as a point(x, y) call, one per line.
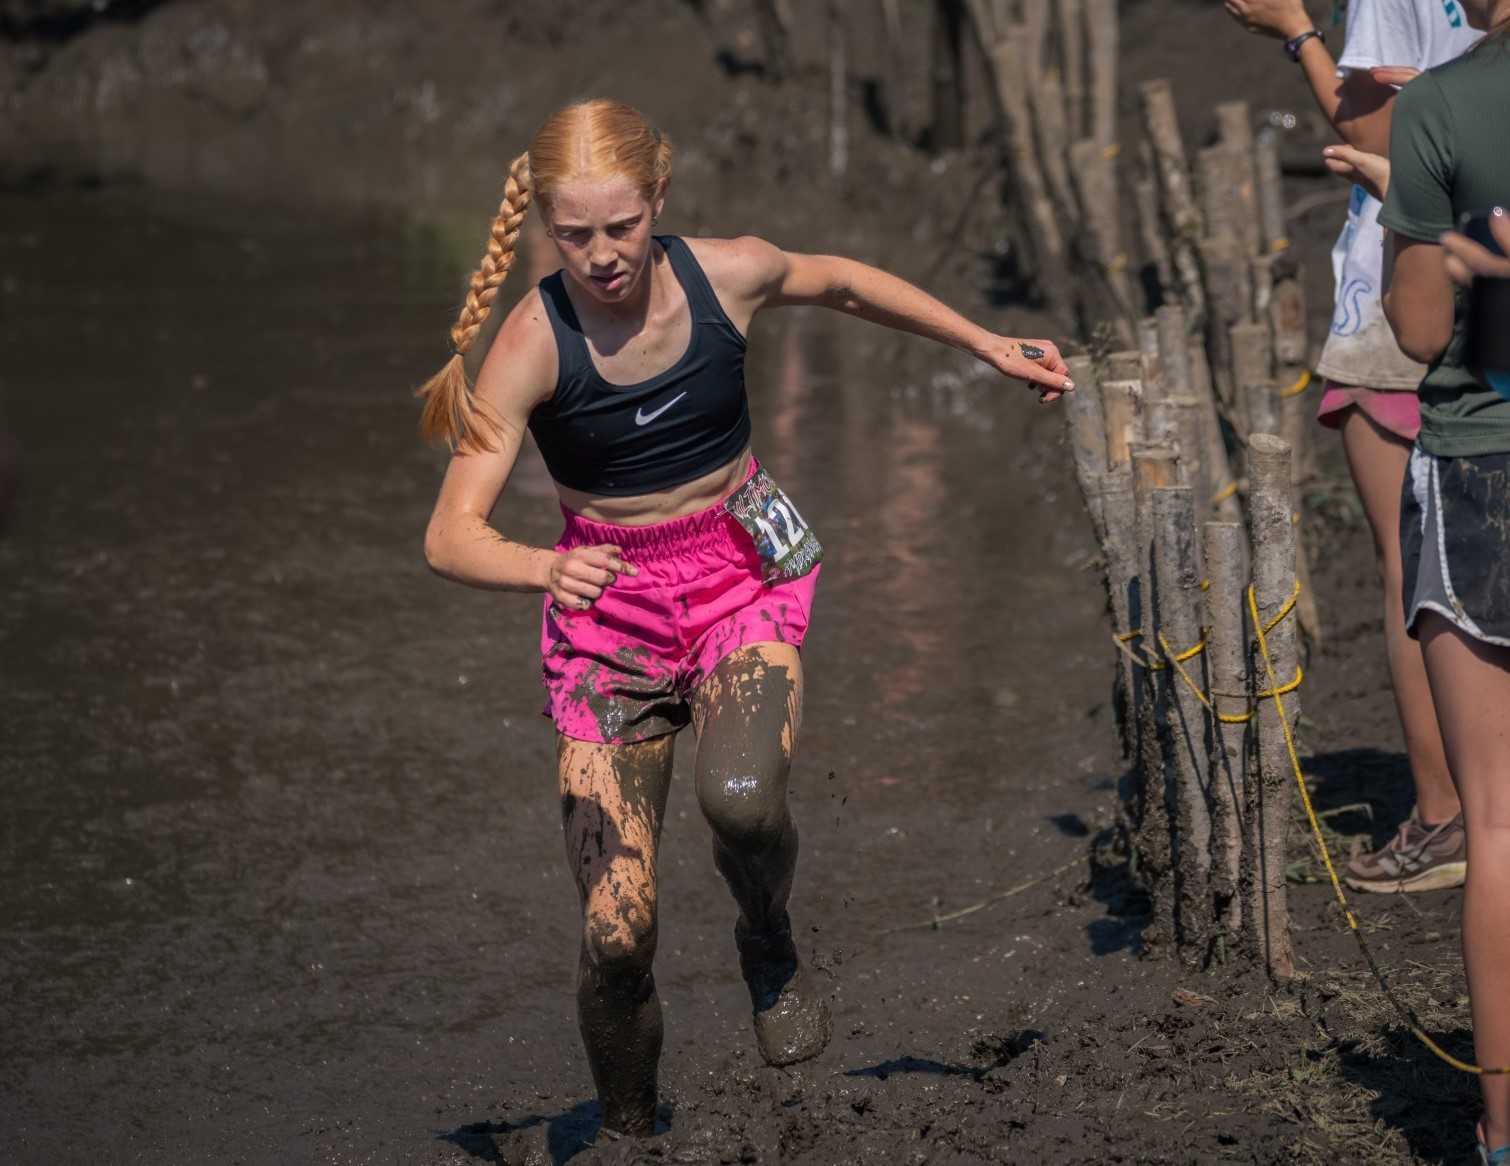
point(282, 875)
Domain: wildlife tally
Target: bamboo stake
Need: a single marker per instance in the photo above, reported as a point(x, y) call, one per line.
point(1287, 314)
point(1152, 467)
point(1126, 364)
point(989, 24)
point(1235, 127)
point(1234, 124)
point(1101, 39)
point(1035, 25)
point(1122, 416)
point(1119, 549)
point(1176, 421)
point(1174, 355)
point(1219, 472)
point(1253, 377)
point(1226, 548)
point(1182, 716)
point(1072, 54)
point(1268, 806)
point(1287, 319)
point(1180, 209)
point(1215, 172)
point(1087, 436)
point(1048, 110)
point(1146, 200)
point(1271, 197)
point(1007, 63)
point(1093, 176)
point(1148, 348)
point(1261, 279)
point(1227, 280)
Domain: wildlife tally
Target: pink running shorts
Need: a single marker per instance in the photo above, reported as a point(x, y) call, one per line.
point(623, 670)
point(1393, 410)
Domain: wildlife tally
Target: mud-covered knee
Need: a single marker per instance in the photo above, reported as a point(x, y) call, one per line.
point(745, 810)
point(620, 945)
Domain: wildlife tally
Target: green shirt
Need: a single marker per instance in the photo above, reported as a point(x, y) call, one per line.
point(1449, 153)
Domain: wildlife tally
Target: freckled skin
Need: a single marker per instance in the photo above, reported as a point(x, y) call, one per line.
point(613, 800)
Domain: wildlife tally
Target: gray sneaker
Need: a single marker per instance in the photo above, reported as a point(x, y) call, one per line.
point(1415, 859)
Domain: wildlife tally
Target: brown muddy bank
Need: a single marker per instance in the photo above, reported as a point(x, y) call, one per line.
point(281, 873)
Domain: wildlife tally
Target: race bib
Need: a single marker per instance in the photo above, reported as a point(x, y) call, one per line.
point(787, 546)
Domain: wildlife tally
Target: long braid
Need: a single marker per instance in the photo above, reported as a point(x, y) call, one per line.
point(452, 412)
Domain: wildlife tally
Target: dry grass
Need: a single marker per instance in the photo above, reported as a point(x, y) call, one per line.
point(1358, 1087)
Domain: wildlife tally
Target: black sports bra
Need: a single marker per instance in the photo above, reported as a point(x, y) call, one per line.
point(609, 439)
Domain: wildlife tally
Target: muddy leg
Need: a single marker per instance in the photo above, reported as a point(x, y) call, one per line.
point(613, 798)
point(747, 714)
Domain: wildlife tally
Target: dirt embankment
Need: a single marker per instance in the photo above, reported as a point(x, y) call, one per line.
point(366, 102)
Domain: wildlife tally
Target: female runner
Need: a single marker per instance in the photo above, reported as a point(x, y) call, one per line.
point(680, 590)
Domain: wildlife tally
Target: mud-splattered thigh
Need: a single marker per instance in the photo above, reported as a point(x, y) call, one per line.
point(613, 798)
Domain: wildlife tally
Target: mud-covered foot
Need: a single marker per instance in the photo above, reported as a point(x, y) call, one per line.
point(792, 1022)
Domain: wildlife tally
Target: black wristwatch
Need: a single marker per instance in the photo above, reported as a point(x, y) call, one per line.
point(1292, 46)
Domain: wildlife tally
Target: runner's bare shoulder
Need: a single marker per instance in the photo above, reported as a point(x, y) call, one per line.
point(521, 366)
point(743, 272)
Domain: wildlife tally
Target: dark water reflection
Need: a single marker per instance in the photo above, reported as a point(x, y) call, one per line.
point(271, 790)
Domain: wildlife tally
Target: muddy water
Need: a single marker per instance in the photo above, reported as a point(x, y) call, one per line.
point(280, 867)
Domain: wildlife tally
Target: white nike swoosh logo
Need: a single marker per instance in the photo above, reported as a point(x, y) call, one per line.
point(643, 418)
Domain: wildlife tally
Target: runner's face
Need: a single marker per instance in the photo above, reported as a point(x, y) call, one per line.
point(602, 230)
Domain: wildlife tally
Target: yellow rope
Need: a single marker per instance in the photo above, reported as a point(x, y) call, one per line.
point(1298, 387)
point(1401, 1010)
point(1177, 660)
point(1224, 493)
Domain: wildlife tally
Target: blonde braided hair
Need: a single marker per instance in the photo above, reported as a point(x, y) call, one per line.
point(618, 141)
point(452, 413)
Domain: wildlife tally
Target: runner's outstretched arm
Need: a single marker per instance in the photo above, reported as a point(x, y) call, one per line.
point(766, 276)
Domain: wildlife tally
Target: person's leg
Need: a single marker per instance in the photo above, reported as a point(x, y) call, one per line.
point(613, 798)
point(1377, 459)
point(747, 712)
point(1470, 681)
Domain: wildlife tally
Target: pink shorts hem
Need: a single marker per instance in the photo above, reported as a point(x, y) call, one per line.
point(1397, 411)
point(624, 669)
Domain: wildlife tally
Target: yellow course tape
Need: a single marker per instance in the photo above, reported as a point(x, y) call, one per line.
point(1110, 152)
point(1280, 244)
point(1404, 1013)
point(1224, 493)
point(1276, 692)
point(1297, 388)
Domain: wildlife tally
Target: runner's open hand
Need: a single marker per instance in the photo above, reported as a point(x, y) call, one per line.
point(1035, 361)
point(578, 576)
